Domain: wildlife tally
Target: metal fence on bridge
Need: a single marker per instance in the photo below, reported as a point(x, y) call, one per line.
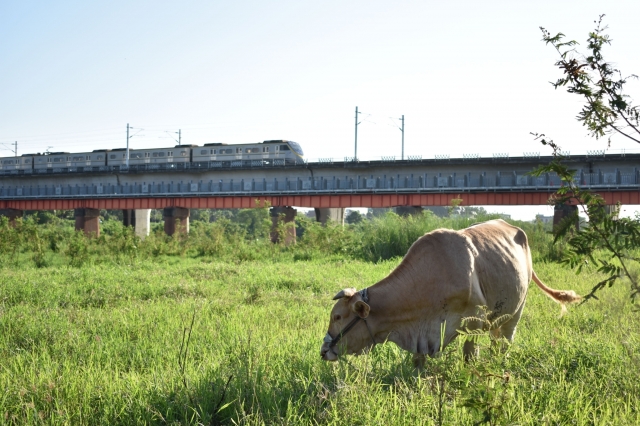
point(469, 182)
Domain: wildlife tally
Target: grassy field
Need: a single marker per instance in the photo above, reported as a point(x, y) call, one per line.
point(204, 340)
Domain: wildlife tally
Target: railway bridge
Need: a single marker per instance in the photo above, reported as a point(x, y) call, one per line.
point(326, 185)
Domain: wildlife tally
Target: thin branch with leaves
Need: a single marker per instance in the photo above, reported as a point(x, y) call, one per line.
point(608, 243)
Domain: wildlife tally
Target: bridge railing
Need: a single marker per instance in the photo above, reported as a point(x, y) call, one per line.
point(350, 183)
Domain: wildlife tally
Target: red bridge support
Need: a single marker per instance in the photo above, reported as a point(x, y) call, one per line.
point(12, 214)
point(176, 219)
point(88, 220)
point(561, 211)
point(288, 216)
point(319, 201)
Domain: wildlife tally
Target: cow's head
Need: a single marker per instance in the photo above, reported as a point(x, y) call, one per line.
point(348, 309)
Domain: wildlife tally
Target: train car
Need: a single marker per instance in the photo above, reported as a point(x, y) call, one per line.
point(261, 153)
point(55, 161)
point(179, 155)
point(88, 161)
point(71, 162)
point(289, 151)
point(222, 154)
point(15, 165)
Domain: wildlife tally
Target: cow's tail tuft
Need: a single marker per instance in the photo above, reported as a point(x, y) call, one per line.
point(561, 296)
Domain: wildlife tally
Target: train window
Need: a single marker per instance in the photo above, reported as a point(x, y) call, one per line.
point(147, 154)
point(183, 153)
point(250, 150)
point(238, 150)
point(161, 154)
point(204, 152)
point(68, 158)
point(88, 157)
point(213, 151)
point(57, 160)
point(265, 149)
point(99, 157)
point(284, 148)
point(112, 156)
point(7, 162)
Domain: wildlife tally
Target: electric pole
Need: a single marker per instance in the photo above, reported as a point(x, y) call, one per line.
point(402, 130)
point(179, 137)
point(355, 154)
point(129, 137)
point(127, 157)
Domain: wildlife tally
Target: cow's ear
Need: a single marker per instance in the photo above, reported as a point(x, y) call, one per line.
point(361, 309)
point(347, 292)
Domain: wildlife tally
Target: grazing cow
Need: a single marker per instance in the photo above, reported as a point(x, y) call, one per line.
point(445, 276)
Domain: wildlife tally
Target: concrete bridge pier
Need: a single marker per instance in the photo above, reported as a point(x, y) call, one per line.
point(409, 210)
point(139, 219)
point(560, 211)
point(88, 220)
point(12, 214)
point(333, 214)
point(611, 209)
point(176, 219)
point(288, 216)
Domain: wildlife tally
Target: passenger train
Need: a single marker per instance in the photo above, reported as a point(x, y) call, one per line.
point(273, 152)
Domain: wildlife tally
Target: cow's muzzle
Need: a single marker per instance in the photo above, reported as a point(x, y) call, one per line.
point(326, 351)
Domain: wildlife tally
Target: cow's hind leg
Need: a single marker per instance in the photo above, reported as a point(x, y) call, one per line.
point(506, 330)
point(470, 348)
point(419, 361)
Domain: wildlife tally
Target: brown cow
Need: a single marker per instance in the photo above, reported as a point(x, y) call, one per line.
point(445, 276)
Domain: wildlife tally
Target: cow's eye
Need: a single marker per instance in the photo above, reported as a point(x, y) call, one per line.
point(336, 317)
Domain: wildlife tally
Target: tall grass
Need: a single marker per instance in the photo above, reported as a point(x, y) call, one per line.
point(99, 344)
point(391, 235)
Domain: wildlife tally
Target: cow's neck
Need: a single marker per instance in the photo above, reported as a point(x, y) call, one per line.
point(395, 315)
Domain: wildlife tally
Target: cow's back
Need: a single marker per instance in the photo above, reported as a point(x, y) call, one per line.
point(503, 264)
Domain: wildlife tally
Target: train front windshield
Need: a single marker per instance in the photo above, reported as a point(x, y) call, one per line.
point(296, 148)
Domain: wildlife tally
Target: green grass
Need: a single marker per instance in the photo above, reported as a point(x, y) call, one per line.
point(100, 343)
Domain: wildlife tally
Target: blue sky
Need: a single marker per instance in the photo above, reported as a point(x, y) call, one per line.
point(468, 76)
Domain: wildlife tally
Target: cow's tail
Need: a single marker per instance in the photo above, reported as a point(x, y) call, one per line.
point(561, 296)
